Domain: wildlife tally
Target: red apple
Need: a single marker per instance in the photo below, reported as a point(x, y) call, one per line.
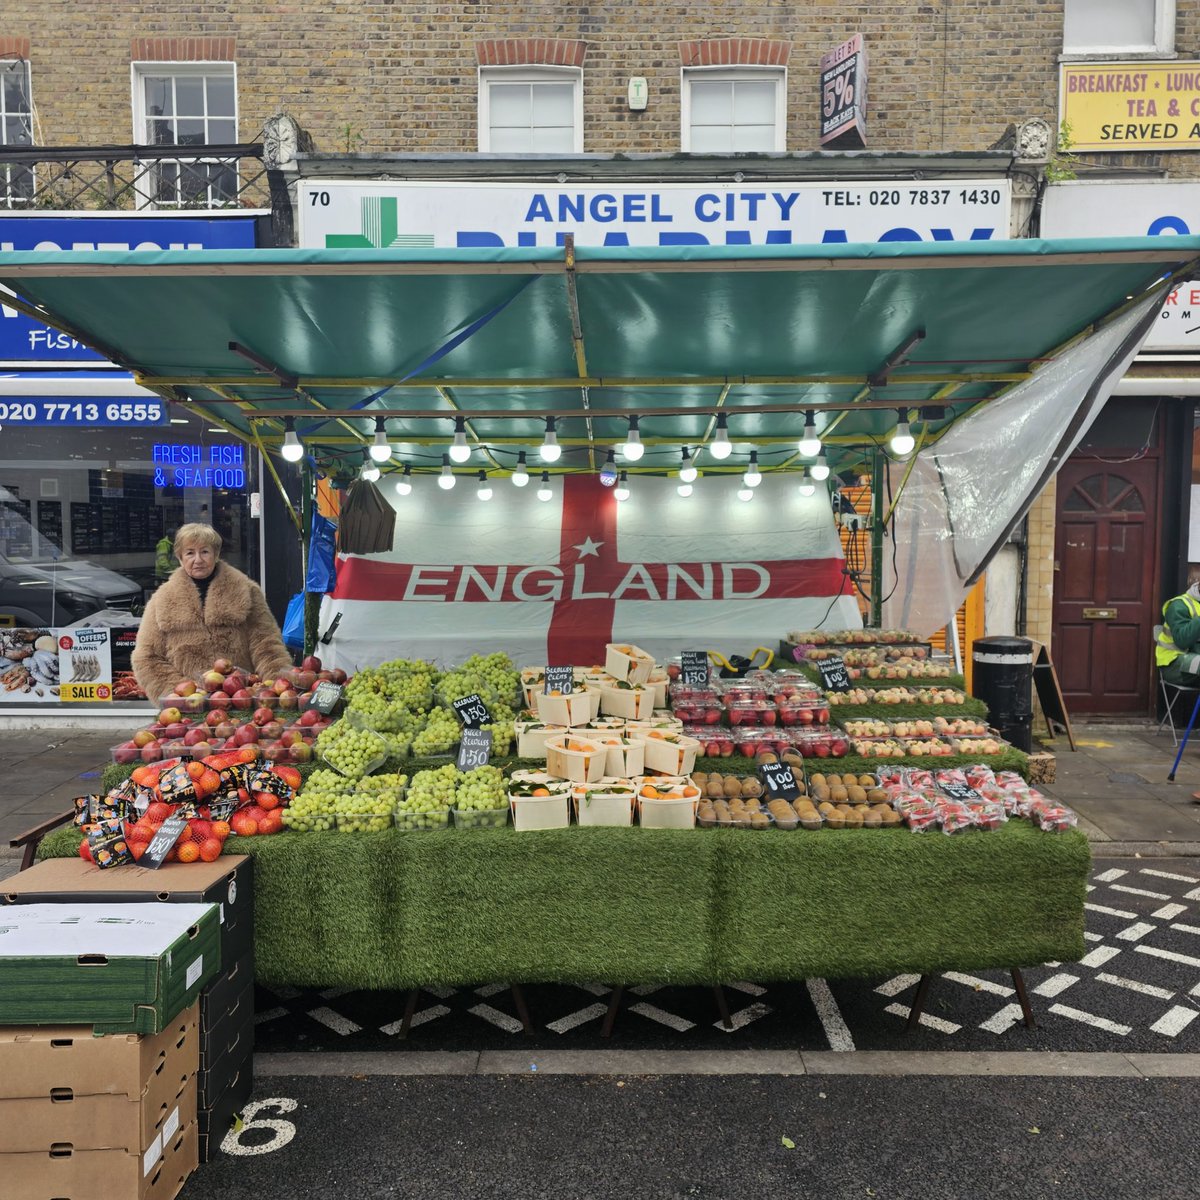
point(276, 753)
point(226, 729)
point(339, 676)
point(199, 734)
point(326, 675)
point(233, 684)
point(311, 663)
point(267, 695)
point(242, 699)
point(304, 680)
point(143, 737)
point(185, 687)
point(246, 735)
point(281, 685)
point(169, 716)
point(214, 718)
point(289, 699)
point(289, 737)
point(273, 729)
point(152, 752)
point(126, 754)
point(310, 716)
point(213, 681)
point(175, 730)
point(300, 752)
point(262, 716)
point(203, 749)
point(223, 666)
point(219, 700)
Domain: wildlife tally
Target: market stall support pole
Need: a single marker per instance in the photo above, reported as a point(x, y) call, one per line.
point(877, 469)
point(312, 603)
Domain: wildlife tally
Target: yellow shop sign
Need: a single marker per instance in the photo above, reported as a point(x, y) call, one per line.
point(1131, 105)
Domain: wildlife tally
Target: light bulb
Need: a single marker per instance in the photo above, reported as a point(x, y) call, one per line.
point(621, 491)
point(459, 450)
point(807, 486)
point(902, 441)
point(631, 448)
point(753, 476)
point(404, 483)
point(520, 475)
point(745, 493)
point(687, 469)
point(608, 472)
point(446, 478)
point(684, 489)
point(551, 451)
point(720, 447)
point(820, 469)
point(369, 472)
point(291, 449)
point(810, 444)
point(484, 490)
point(545, 492)
point(379, 449)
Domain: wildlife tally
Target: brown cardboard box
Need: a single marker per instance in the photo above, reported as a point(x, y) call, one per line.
point(69, 1174)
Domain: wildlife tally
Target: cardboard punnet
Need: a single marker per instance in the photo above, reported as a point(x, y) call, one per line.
point(121, 968)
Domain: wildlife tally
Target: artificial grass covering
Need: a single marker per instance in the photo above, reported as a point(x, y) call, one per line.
point(631, 905)
point(970, 707)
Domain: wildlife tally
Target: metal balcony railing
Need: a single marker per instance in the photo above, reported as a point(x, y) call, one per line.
point(114, 178)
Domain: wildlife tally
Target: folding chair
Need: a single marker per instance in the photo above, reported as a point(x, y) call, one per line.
point(1170, 693)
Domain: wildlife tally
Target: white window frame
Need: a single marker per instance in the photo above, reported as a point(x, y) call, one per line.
point(1164, 39)
point(531, 73)
point(733, 74)
point(138, 71)
point(7, 199)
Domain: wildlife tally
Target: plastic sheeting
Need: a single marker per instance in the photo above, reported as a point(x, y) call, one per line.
point(967, 494)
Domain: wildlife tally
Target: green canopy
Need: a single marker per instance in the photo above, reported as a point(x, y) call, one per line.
point(508, 337)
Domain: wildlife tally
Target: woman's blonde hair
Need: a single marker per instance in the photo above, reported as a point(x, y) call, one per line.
point(198, 534)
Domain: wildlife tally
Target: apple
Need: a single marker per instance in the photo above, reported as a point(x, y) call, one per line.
point(289, 699)
point(289, 737)
point(281, 685)
point(219, 700)
point(326, 675)
point(339, 676)
point(276, 753)
point(214, 718)
point(300, 752)
point(126, 753)
point(199, 734)
point(304, 680)
point(169, 716)
point(233, 684)
point(311, 663)
point(309, 716)
point(242, 699)
point(246, 735)
point(152, 752)
point(262, 716)
point(143, 737)
point(193, 703)
point(223, 666)
point(273, 729)
point(213, 681)
point(203, 749)
point(267, 695)
point(226, 729)
point(175, 730)
point(185, 687)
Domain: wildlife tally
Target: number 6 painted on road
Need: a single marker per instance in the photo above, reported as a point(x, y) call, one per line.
point(284, 1130)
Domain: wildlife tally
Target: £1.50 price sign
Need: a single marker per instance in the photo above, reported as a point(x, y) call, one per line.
point(472, 711)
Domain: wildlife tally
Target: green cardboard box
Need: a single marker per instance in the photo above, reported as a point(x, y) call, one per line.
point(121, 968)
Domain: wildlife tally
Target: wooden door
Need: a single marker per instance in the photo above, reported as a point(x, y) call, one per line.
point(1106, 601)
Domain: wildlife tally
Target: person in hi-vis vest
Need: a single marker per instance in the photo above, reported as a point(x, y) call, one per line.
point(1177, 651)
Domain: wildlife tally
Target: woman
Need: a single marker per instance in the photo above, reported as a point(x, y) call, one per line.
point(205, 611)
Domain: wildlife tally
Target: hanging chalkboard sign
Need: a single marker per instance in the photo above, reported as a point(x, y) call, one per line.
point(963, 793)
point(326, 697)
point(472, 711)
point(559, 680)
point(694, 667)
point(834, 675)
point(475, 749)
point(779, 780)
point(160, 845)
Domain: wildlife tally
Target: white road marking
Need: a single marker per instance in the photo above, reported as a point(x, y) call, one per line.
point(1112, 912)
point(595, 989)
point(571, 1020)
point(743, 1017)
point(335, 992)
point(836, 1030)
point(1109, 876)
point(1170, 955)
point(419, 1018)
point(284, 991)
point(1135, 933)
point(1055, 985)
point(1168, 875)
point(1133, 985)
point(646, 989)
point(496, 1017)
point(436, 989)
point(894, 987)
point(1169, 912)
point(1120, 887)
point(902, 1010)
point(1187, 928)
point(1076, 1014)
point(1004, 1020)
point(670, 1020)
point(1088, 936)
point(751, 989)
point(1194, 894)
point(1174, 1021)
point(979, 985)
point(490, 989)
point(334, 1021)
point(1100, 956)
point(270, 1014)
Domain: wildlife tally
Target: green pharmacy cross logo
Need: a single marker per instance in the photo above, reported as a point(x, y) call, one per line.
point(379, 222)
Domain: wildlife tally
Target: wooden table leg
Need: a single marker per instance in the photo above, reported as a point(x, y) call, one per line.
point(522, 1012)
point(410, 1007)
point(1023, 996)
point(613, 1004)
point(722, 1006)
point(918, 1004)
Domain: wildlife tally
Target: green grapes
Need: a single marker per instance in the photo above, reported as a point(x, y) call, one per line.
point(353, 752)
point(441, 733)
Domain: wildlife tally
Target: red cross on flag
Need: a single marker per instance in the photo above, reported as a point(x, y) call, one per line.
point(554, 581)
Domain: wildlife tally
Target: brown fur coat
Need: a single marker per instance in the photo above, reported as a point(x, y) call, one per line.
point(177, 641)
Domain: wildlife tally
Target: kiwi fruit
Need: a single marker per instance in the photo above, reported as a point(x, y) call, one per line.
point(812, 822)
point(751, 788)
point(867, 781)
point(856, 795)
point(838, 794)
point(891, 817)
point(872, 819)
point(732, 787)
point(826, 807)
point(820, 794)
point(835, 820)
point(854, 819)
point(817, 779)
point(849, 779)
point(759, 820)
point(876, 796)
point(699, 778)
point(715, 789)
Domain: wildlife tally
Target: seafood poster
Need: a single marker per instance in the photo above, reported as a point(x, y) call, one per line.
point(85, 664)
point(29, 666)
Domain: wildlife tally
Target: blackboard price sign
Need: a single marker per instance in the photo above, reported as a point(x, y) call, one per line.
point(560, 680)
point(834, 676)
point(326, 697)
point(960, 792)
point(779, 780)
point(160, 844)
point(694, 667)
point(475, 749)
point(472, 711)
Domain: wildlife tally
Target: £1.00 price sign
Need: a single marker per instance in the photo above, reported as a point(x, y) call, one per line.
point(779, 781)
point(835, 677)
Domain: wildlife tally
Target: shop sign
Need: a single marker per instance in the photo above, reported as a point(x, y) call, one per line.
point(414, 214)
point(70, 412)
point(844, 95)
point(85, 665)
point(23, 339)
point(1147, 208)
point(184, 465)
point(1131, 105)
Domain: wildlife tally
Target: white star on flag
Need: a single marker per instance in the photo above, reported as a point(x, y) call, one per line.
point(587, 546)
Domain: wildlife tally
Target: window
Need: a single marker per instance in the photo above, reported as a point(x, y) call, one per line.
point(739, 110)
point(1119, 27)
point(186, 104)
point(531, 110)
point(16, 129)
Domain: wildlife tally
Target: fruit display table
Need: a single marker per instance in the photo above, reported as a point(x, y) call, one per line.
point(616, 905)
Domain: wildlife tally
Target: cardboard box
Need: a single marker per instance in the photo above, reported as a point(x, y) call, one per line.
point(225, 1049)
point(223, 992)
point(215, 1122)
point(121, 968)
point(68, 1174)
point(228, 883)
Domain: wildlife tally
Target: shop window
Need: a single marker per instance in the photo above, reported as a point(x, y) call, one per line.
point(1119, 27)
point(186, 104)
point(733, 110)
point(16, 129)
point(530, 110)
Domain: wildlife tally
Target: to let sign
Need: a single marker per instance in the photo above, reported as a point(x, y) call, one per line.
point(844, 95)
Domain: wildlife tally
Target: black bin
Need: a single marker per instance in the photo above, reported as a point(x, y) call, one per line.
point(1003, 680)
